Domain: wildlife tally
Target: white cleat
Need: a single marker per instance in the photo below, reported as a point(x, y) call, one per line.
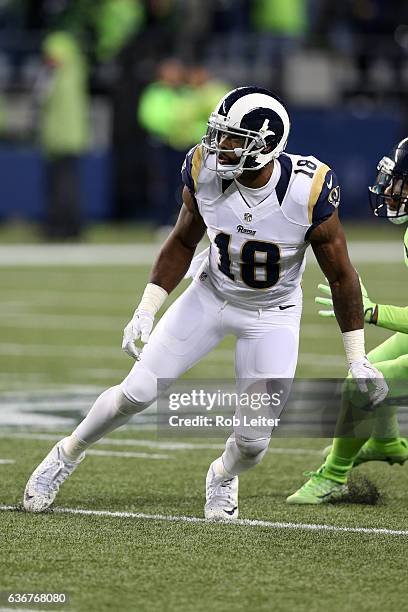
point(45, 481)
point(221, 496)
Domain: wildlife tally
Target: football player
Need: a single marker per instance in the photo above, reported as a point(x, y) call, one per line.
point(261, 209)
point(389, 199)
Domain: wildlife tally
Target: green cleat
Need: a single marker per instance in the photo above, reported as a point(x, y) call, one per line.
point(395, 451)
point(318, 490)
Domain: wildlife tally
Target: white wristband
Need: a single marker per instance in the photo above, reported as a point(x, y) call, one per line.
point(153, 298)
point(354, 345)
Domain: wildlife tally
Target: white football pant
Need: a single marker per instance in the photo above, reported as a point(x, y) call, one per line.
point(266, 348)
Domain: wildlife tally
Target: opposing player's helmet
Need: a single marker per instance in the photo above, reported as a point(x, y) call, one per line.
point(389, 194)
point(253, 115)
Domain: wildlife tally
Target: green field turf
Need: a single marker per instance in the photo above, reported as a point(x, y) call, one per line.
point(60, 333)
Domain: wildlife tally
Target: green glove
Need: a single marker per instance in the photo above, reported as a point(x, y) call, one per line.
point(368, 305)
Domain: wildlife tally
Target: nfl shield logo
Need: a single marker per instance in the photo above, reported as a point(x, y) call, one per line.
point(248, 217)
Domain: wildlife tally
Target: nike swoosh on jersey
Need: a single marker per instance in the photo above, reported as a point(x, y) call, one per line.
point(330, 183)
point(285, 307)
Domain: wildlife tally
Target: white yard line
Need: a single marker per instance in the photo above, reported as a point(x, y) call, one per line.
point(24, 610)
point(294, 451)
point(100, 352)
point(155, 444)
point(127, 454)
point(58, 350)
point(77, 254)
point(61, 321)
point(143, 254)
point(235, 522)
point(66, 350)
point(50, 389)
point(6, 461)
point(29, 320)
point(61, 297)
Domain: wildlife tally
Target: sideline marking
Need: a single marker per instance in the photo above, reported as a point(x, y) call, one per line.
point(239, 522)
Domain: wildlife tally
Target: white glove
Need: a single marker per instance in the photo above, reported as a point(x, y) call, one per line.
point(139, 326)
point(142, 321)
point(365, 374)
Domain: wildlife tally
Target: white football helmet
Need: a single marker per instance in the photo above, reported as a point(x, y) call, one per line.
point(260, 123)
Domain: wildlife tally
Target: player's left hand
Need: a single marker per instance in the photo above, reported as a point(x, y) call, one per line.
point(368, 305)
point(369, 380)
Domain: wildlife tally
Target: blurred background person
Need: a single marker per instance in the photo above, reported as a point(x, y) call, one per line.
point(64, 133)
point(174, 110)
point(162, 113)
point(116, 21)
point(205, 91)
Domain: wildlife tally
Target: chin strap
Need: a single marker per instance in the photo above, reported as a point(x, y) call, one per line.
point(230, 175)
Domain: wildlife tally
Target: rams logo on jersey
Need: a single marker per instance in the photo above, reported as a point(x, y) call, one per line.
point(244, 230)
point(334, 197)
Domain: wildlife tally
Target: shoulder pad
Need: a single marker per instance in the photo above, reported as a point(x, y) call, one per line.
point(191, 168)
point(314, 189)
point(324, 195)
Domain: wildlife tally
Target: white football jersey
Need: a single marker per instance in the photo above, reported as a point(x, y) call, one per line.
point(259, 237)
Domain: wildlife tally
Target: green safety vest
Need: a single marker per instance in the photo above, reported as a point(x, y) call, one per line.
point(64, 123)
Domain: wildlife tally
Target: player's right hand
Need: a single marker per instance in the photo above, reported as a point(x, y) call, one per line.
point(368, 305)
point(139, 326)
point(369, 380)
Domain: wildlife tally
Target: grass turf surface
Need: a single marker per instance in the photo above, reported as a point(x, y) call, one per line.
point(128, 564)
point(61, 329)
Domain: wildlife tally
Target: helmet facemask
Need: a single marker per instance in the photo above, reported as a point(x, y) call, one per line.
point(389, 194)
point(251, 145)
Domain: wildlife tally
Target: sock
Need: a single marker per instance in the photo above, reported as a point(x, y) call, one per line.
point(386, 428)
point(240, 457)
point(340, 461)
point(104, 417)
point(353, 427)
point(219, 469)
point(73, 447)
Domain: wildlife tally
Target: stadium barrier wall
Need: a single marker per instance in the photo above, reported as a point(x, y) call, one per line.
point(352, 145)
